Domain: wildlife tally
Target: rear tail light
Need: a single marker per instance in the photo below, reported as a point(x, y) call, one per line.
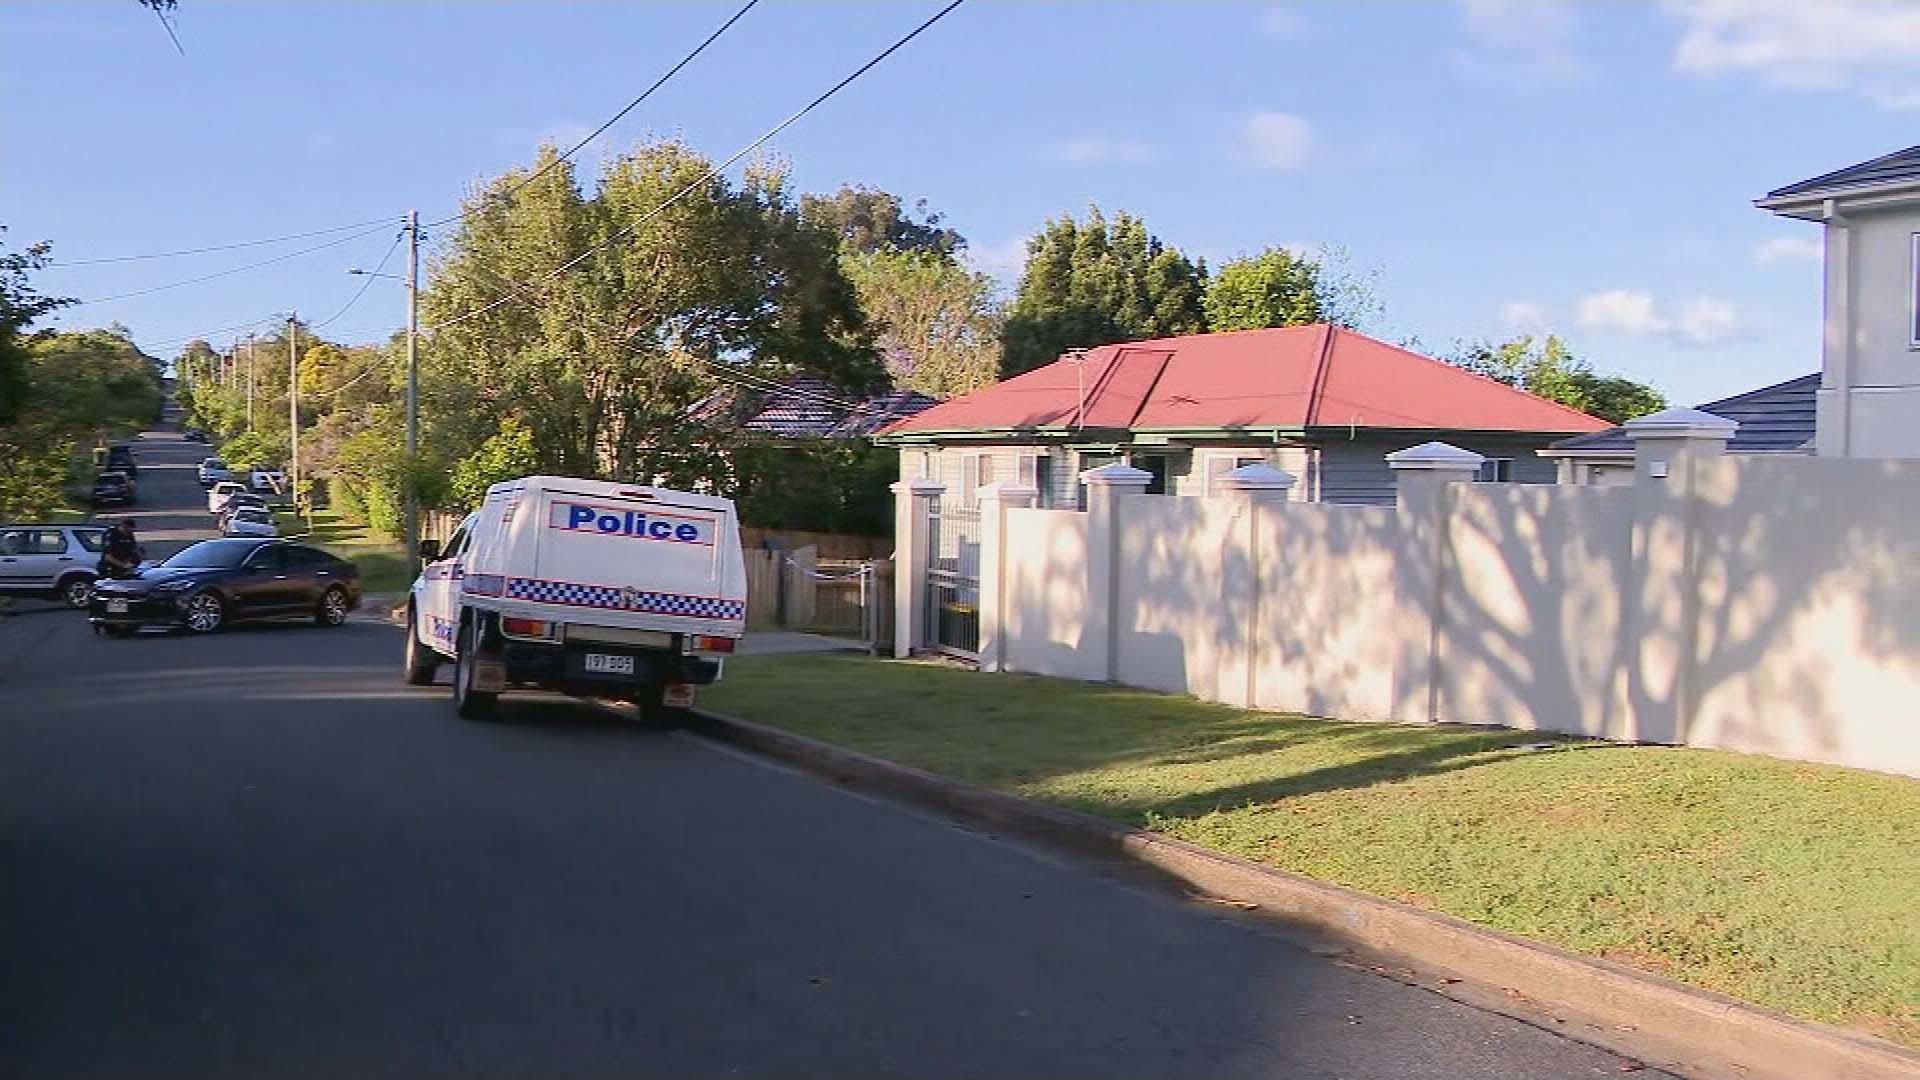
point(708, 643)
point(528, 628)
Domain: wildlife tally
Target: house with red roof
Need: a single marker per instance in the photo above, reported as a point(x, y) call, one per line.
point(1322, 402)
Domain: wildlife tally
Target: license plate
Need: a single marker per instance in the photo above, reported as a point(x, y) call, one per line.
point(609, 664)
point(678, 696)
point(116, 607)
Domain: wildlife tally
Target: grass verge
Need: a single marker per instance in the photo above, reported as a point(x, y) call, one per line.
point(1788, 885)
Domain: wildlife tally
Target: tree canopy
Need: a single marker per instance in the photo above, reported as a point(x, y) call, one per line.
point(937, 324)
point(867, 220)
point(1547, 367)
point(1093, 283)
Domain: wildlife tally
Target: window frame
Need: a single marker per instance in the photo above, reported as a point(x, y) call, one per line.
point(1913, 294)
point(1501, 465)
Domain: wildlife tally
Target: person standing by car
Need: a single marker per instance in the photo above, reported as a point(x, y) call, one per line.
point(122, 553)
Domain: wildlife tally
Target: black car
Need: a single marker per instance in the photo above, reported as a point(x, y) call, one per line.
point(120, 459)
point(112, 488)
point(215, 582)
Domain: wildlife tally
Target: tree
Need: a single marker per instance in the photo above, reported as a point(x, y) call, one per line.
point(20, 305)
point(867, 220)
point(937, 325)
point(602, 362)
point(1549, 369)
point(73, 390)
point(1092, 284)
point(507, 453)
point(1273, 288)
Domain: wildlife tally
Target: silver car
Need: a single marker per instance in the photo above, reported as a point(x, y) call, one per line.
point(54, 561)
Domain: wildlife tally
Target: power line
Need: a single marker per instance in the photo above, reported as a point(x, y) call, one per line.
point(59, 263)
point(710, 174)
point(230, 272)
point(601, 130)
point(371, 276)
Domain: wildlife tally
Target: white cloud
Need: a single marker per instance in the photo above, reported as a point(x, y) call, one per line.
point(1782, 249)
point(1097, 150)
point(1283, 22)
point(1868, 47)
point(1278, 141)
point(1525, 316)
point(1520, 42)
point(1706, 321)
point(1702, 322)
point(1003, 262)
point(1622, 311)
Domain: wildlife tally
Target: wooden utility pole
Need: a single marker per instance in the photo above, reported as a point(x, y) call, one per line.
point(412, 524)
point(249, 380)
point(293, 409)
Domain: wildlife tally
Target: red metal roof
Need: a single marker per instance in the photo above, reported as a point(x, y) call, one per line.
point(1293, 377)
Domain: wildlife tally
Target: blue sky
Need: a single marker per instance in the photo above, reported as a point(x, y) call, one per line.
point(1496, 165)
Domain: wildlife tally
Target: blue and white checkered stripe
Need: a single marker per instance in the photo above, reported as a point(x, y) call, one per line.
point(601, 596)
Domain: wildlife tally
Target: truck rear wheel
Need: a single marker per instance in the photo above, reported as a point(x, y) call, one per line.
point(653, 711)
point(468, 702)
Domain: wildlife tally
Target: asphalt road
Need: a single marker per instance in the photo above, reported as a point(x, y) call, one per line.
point(258, 854)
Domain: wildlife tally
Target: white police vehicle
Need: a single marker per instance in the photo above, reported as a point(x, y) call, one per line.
point(583, 586)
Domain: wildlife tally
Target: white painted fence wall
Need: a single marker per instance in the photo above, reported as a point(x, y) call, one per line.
point(1769, 605)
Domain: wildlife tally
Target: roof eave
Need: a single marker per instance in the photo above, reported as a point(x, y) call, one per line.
point(1812, 205)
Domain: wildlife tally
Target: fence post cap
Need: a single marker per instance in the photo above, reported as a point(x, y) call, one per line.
point(918, 486)
point(1681, 424)
point(1435, 457)
point(1008, 491)
point(1258, 476)
point(1116, 474)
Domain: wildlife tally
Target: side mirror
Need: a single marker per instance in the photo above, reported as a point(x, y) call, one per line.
point(429, 550)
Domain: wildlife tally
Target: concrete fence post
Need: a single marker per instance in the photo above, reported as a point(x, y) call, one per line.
point(1250, 489)
point(1422, 477)
point(995, 500)
point(912, 546)
point(1105, 486)
point(1670, 452)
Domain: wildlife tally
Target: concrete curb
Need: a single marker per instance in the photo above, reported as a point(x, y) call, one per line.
point(1688, 1031)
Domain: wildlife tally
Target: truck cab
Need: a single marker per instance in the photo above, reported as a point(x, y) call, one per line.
point(583, 586)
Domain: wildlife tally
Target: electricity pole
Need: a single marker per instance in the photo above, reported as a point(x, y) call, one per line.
point(413, 386)
point(249, 380)
point(293, 409)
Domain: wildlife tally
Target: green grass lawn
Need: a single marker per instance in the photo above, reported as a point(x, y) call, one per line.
point(1792, 886)
point(382, 562)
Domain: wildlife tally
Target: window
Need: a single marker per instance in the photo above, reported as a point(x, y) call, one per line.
point(48, 542)
point(306, 558)
point(1043, 478)
point(94, 540)
point(986, 470)
point(1220, 465)
point(270, 557)
point(1088, 460)
point(1496, 470)
point(1155, 466)
point(1913, 297)
point(14, 542)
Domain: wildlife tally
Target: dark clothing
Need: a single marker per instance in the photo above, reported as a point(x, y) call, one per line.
point(120, 556)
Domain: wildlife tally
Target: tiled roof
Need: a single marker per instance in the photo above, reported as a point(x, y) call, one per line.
point(1890, 168)
point(806, 407)
point(1292, 377)
point(1773, 418)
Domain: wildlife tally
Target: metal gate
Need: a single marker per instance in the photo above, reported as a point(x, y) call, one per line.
point(953, 578)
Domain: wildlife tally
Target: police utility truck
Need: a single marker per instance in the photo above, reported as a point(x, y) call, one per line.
point(582, 586)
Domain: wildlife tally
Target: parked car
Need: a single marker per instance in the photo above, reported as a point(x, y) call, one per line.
point(238, 501)
point(216, 582)
point(250, 521)
point(221, 491)
point(113, 489)
point(194, 434)
point(120, 459)
point(585, 587)
point(213, 471)
point(267, 478)
point(54, 561)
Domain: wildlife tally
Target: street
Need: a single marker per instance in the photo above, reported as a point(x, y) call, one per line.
point(258, 854)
